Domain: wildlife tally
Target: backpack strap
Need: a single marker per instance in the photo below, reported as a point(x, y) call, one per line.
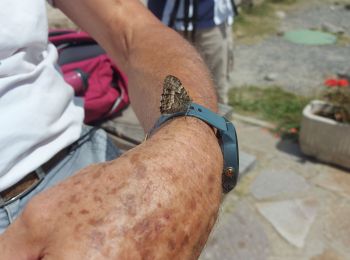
point(69, 38)
point(194, 19)
point(186, 16)
point(174, 13)
point(234, 8)
point(51, 2)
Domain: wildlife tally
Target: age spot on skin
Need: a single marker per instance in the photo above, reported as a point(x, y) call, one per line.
point(84, 212)
point(74, 198)
point(192, 204)
point(97, 174)
point(174, 228)
point(142, 227)
point(211, 178)
point(113, 191)
point(185, 241)
point(199, 194)
point(167, 215)
point(171, 245)
point(69, 214)
point(95, 221)
point(77, 182)
point(198, 225)
point(98, 199)
point(135, 158)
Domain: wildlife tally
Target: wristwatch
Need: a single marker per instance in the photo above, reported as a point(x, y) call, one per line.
point(226, 135)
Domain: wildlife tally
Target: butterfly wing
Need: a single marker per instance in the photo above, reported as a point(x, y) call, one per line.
point(175, 97)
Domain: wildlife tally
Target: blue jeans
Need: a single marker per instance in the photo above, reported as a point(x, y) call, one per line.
point(92, 147)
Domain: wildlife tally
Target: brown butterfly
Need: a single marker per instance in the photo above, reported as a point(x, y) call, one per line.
point(175, 97)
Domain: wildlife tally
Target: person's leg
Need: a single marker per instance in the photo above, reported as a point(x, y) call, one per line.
point(216, 46)
point(92, 147)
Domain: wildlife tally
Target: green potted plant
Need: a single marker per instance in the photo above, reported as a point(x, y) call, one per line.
point(325, 126)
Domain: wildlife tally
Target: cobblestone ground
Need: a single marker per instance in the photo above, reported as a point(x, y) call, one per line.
point(286, 207)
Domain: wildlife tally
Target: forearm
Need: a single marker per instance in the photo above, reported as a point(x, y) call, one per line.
point(168, 211)
point(154, 202)
point(145, 49)
point(166, 192)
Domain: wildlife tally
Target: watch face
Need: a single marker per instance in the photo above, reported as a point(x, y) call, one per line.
point(175, 97)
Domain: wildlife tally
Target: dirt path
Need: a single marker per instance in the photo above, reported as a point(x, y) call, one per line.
point(297, 68)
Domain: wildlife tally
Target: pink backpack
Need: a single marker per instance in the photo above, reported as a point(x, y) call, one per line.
point(92, 74)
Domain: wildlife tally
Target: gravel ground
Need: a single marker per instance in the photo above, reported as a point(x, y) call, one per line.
point(297, 68)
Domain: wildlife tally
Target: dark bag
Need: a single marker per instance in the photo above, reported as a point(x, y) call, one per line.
point(92, 74)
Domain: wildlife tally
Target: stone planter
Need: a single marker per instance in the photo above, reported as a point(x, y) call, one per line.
point(324, 138)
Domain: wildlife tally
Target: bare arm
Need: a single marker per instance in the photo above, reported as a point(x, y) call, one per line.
point(145, 49)
point(159, 200)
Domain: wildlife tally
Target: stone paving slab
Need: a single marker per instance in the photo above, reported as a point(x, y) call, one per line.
point(246, 163)
point(239, 235)
point(312, 198)
point(335, 181)
point(272, 183)
point(291, 218)
point(337, 227)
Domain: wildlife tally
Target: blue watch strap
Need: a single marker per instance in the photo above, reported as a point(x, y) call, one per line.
point(227, 139)
point(229, 147)
point(207, 116)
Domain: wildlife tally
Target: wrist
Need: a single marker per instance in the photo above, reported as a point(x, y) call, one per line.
point(226, 133)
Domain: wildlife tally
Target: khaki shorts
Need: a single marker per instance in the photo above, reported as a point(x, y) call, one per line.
point(216, 47)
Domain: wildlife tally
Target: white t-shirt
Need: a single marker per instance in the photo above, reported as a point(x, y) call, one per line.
point(38, 116)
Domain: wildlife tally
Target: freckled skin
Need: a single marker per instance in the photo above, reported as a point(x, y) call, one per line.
point(138, 218)
point(147, 51)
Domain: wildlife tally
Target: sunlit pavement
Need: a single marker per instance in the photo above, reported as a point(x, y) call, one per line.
point(286, 207)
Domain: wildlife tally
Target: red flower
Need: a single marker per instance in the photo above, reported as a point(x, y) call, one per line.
point(293, 130)
point(343, 83)
point(331, 82)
